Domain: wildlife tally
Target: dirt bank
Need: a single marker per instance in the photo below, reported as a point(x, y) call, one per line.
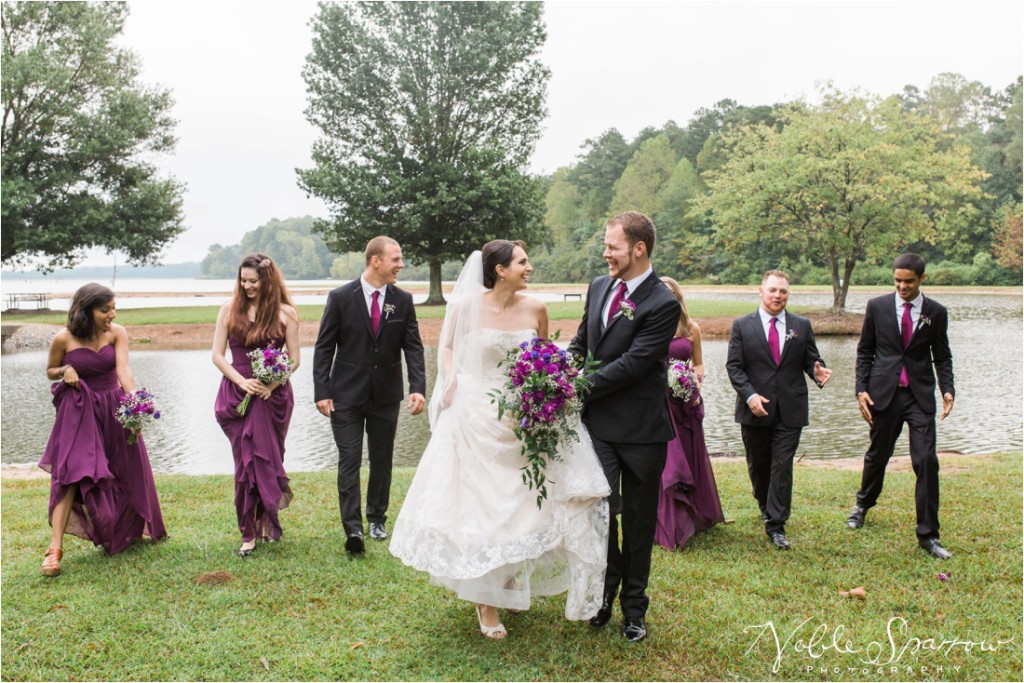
point(199, 335)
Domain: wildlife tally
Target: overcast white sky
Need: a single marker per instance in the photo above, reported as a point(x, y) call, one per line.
point(235, 72)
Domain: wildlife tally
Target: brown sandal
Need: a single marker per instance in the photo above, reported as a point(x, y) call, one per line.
point(51, 562)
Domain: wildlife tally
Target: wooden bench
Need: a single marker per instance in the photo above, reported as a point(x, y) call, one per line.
point(14, 301)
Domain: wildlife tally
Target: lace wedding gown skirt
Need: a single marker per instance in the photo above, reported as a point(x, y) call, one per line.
point(470, 522)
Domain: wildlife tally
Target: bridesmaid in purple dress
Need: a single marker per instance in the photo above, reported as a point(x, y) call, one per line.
point(259, 314)
point(101, 488)
point(688, 498)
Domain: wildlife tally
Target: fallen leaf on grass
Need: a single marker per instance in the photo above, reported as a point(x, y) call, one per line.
point(23, 646)
point(215, 578)
point(356, 645)
point(857, 592)
point(54, 608)
point(265, 663)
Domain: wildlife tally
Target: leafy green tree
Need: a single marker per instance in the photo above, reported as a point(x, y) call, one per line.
point(79, 133)
point(601, 164)
point(648, 169)
point(300, 254)
point(680, 246)
point(1008, 246)
point(428, 114)
point(853, 179)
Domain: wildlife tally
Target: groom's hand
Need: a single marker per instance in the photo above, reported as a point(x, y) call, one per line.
point(326, 406)
point(416, 403)
point(756, 404)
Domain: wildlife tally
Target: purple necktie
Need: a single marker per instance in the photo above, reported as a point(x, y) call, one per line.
point(375, 313)
point(620, 296)
point(773, 341)
point(907, 329)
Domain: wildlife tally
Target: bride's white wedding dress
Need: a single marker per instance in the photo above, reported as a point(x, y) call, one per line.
point(474, 526)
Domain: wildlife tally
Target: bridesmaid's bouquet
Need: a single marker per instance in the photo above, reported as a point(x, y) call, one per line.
point(544, 388)
point(683, 380)
point(135, 411)
point(269, 365)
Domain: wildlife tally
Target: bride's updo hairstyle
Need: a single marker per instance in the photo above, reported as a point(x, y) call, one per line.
point(498, 253)
point(87, 299)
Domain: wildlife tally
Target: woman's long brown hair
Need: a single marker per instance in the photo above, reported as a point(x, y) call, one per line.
point(683, 328)
point(271, 295)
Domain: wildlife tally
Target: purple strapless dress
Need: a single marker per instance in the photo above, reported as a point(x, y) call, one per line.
point(257, 443)
point(116, 501)
point(688, 499)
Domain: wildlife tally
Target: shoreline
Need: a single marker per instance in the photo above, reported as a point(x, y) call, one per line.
point(951, 462)
point(193, 336)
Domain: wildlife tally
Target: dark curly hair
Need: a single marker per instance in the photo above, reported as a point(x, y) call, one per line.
point(498, 253)
point(87, 299)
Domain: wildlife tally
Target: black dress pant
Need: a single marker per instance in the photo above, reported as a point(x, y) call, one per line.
point(885, 429)
point(348, 424)
point(770, 452)
point(636, 469)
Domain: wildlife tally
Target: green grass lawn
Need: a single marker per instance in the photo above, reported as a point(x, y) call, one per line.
point(302, 610)
point(185, 315)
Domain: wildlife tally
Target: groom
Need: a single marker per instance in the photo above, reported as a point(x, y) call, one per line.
point(628, 322)
point(357, 381)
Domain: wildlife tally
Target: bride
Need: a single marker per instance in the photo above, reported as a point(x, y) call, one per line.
point(468, 519)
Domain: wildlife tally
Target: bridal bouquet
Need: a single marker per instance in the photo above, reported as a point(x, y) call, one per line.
point(683, 380)
point(269, 365)
point(544, 388)
point(135, 411)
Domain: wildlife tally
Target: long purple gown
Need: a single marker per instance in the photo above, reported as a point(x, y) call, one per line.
point(257, 443)
point(688, 499)
point(116, 501)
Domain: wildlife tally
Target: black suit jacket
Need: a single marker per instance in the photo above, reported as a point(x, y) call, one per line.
point(627, 401)
point(753, 371)
point(351, 365)
point(880, 353)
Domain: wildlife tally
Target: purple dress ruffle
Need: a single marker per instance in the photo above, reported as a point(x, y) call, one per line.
point(688, 499)
point(257, 443)
point(116, 501)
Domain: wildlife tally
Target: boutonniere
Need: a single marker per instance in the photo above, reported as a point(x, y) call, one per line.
point(388, 310)
point(791, 335)
point(627, 308)
point(924, 320)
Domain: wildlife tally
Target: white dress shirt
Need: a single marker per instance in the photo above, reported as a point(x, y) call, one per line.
point(631, 286)
point(766, 323)
point(915, 311)
point(368, 295)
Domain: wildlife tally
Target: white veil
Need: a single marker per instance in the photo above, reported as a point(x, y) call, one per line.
point(461, 322)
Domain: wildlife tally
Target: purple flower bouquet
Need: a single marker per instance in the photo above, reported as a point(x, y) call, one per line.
point(544, 389)
point(135, 411)
point(269, 365)
point(683, 380)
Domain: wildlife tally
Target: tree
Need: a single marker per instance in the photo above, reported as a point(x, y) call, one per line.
point(595, 174)
point(428, 113)
point(648, 169)
point(299, 254)
point(1009, 239)
point(79, 132)
point(851, 179)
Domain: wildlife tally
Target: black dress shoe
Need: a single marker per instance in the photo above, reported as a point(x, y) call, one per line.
point(633, 629)
point(779, 540)
point(377, 531)
point(855, 519)
point(933, 548)
point(604, 614)
point(354, 544)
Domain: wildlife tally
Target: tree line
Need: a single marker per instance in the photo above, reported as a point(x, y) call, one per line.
point(428, 114)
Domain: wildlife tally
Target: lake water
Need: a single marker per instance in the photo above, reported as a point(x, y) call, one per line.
point(985, 335)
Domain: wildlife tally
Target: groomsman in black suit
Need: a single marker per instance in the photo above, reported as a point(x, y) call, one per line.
point(627, 325)
point(903, 337)
point(357, 381)
point(769, 351)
